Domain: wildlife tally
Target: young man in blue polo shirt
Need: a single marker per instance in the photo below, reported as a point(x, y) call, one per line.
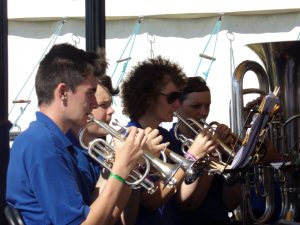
point(43, 180)
point(87, 165)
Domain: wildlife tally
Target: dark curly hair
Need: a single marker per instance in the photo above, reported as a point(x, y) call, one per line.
point(144, 83)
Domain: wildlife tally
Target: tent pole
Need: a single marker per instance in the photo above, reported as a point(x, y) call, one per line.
point(5, 124)
point(94, 24)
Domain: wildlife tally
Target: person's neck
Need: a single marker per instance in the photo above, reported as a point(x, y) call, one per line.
point(56, 116)
point(149, 121)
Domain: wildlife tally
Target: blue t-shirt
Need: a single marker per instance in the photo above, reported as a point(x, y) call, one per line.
point(88, 166)
point(43, 180)
point(148, 216)
point(212, 209)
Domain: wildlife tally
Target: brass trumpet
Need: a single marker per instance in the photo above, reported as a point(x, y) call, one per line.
point(210, 164)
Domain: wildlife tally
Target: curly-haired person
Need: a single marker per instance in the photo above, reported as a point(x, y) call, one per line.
point(150, 95)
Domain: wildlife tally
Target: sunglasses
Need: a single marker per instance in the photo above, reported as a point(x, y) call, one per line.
point(172, 97)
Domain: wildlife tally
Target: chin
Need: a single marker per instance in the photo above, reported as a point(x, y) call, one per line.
point(83, 122)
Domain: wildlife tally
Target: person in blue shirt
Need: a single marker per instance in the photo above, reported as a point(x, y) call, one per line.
point(43, 180)
point(213, 198)
point(89, 167)
point(150, 95)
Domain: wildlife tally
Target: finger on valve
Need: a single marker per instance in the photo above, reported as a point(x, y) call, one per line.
point(153, 142)
point(129, 152)
point(224, 133)
point(199, 147)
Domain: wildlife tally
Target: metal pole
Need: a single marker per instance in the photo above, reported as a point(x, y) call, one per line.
point(95, 24)
point(4, 122)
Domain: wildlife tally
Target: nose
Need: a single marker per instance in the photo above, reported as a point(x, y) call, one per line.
point(203, 111)
point(94, 104)
point(110, 110)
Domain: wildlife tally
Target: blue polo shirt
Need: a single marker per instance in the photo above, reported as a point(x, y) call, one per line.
point(87, 165)
point(43, 180)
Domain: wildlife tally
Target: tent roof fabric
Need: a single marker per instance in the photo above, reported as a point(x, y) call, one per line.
point(119, 9)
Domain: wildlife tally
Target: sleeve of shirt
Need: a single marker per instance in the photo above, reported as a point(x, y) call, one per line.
point(57, 191)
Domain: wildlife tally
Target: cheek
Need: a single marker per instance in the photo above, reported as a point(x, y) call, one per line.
point(204, 111)
point(99, 114)
point(195, 113)
point(157, 108)
point(188, 111)
point(86, 102)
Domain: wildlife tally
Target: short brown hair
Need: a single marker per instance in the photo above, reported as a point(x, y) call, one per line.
point(65, 63)
point(193, 84)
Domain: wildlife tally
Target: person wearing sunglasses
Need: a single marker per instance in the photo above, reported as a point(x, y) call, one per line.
point(213, 198)
point(150, 95)
point(172, 97)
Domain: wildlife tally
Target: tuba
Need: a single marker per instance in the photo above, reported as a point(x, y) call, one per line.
point(281, 68)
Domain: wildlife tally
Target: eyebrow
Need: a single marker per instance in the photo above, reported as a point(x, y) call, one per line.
point(93, 89)
point(201, 104)
point(105, 101)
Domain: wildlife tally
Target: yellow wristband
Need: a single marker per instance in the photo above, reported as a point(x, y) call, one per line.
point(117, 177)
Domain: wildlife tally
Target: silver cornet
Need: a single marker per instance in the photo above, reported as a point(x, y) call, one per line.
point(165, 170)
point(104, 154)
point(210, 164)
point(191, 168)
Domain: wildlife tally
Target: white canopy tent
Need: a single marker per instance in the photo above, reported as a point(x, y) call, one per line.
point(179, 30)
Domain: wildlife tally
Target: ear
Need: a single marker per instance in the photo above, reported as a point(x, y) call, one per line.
point(62, 91)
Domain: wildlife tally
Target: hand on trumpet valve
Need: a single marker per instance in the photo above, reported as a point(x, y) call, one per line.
point(215, 155)
point(123, 129)
point(153, 143)
point(224, 133)
point(228, 141)
point(129, 152)
point(203, 144)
